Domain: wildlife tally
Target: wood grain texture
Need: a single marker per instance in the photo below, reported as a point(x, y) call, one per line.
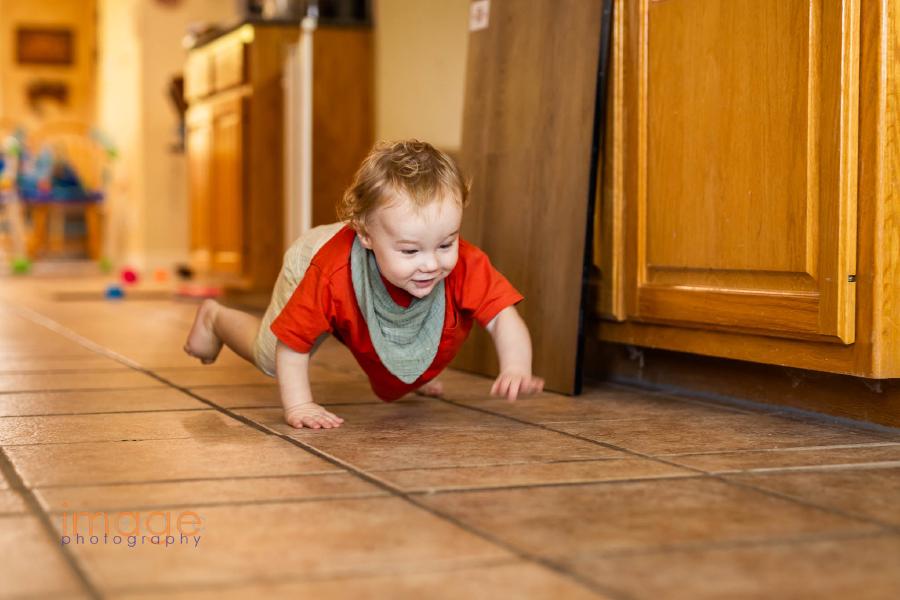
point(876, 349)
point(527, 127)
point(745, 118)
point(236, 144)
point(343, 108)
point(609, 214)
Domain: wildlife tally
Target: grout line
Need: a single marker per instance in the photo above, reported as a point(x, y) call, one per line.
point(70, 390)
point(795, 540)
point(790, 449)
point(255, 502)
point(185, 480)
point(838, 511)
point(788, 412)
point(553, 484)
point(104, 412)
point(707, 474)
point(353, 574)
point(141, 439)
point(864, 466)
point(554, 566)
point(77, 390)
point(504, 464)
point(12, 477)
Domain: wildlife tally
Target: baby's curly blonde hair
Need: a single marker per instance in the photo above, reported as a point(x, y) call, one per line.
point(410, 168)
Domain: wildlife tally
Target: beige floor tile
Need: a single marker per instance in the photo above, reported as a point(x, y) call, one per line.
point(673, 434)
point(80, 380)
point(32, 563)
point(799, 458)
point(864, 568)
point(612, 404)
point(507, 580)
point(213, 375)
point(175, 357)
point(268, 396)
point(56, 364)
point(416, 446)
point(279, 541)
point(246, 454)
point(141, 496)
point(610, 517)
point(459, 478)
point(11, 502)
point(117, 427)
point(870, 492)
point(94, 401)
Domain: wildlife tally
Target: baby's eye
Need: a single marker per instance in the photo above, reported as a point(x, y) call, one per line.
point(409, 252)
point(446, 246)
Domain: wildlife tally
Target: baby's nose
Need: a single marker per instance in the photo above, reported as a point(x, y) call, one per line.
point(430, 263)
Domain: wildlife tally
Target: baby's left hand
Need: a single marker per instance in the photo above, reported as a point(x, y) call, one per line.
point(513, 383)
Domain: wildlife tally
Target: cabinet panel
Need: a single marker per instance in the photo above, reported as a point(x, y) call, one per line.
point(229, 64)
point(199, 143)
point(227, 210)
point(741, 165)
point(197, 76)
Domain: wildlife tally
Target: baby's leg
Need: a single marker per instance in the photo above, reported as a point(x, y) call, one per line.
point(215, 325)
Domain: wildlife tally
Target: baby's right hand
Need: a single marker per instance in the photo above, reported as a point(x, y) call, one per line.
point(310, 414)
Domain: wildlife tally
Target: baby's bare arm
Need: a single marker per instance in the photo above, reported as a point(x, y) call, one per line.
point(513, 343)
point(292, 369)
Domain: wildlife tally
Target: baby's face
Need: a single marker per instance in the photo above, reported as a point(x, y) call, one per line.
point(414, 248)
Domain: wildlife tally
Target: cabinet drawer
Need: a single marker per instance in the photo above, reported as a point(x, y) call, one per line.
point(197, 75)
point(230, 65)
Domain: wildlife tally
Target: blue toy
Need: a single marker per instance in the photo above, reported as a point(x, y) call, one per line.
point(114, 292)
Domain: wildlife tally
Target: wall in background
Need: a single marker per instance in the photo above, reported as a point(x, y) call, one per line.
point(140, 50)
point(419, 78)
point(420, 69)
point(78, 78)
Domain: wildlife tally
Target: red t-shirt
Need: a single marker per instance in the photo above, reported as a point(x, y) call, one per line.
point(324, 302)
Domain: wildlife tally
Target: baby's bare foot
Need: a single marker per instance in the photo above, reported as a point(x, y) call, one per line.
point(310, 414)
point(432, 389)
point(202, 342)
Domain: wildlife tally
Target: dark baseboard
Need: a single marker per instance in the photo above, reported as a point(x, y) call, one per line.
point(844, 397)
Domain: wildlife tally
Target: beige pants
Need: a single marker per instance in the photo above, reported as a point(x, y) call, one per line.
point(296, 261)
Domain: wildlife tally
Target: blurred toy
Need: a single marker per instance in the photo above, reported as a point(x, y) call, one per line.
point(10, 204)
point(105, 265)
point(198, 290)
point(129, 275)
point(160, 275)
point(114, 292)
point(184, 272)
point(21, 265)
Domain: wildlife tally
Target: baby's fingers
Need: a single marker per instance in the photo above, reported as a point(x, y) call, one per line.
point(499, 387)
point(513, 392)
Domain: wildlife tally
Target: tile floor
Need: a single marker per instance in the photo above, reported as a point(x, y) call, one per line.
point(618, 493)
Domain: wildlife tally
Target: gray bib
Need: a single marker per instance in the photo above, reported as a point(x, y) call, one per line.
point(405, 339)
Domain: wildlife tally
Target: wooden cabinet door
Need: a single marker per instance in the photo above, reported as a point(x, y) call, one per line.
point(199, 153)
point(740, 164)
point(227, 207)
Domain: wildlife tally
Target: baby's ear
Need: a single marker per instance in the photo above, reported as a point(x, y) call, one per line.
point(363, 236)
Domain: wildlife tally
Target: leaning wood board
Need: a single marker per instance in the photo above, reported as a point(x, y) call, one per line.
point(531, 82)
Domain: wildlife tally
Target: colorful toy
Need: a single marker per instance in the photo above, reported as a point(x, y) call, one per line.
point(21, 265)
point(114, 292)
point(198, 290)
point(10, 205)
point(184, 272)
point(160, 275)
point(105, 265)
point(129, 275)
